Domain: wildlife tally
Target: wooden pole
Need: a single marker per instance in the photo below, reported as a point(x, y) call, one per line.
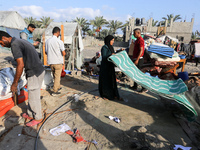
point(62, 38)
point(15, 98)
point(44, 54)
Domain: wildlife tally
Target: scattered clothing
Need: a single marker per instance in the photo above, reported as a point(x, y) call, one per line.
point(59, 129)
point(117, 120)
point(177, 147)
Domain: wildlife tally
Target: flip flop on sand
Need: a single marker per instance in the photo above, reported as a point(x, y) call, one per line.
point(25, 115)
point(119, 99)
point(33, 123)
point(105, 98)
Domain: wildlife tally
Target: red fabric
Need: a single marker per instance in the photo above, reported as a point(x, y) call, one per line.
point(63, 73)
point(138, 43)
point(7, 104)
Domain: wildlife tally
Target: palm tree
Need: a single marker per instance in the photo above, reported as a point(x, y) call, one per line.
point(114, 25)
point(81, 21)
point(30, 20)
point(195, 34)
point(154, 23)
point(106, 32)
point(126, 24)
point(85, 29)
point(169, 17)
point(98, 22)
point(91, 32)
point(45, 21)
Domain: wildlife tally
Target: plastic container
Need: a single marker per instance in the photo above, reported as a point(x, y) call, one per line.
point(182, 56)
point(68, 72)
point(183, 75)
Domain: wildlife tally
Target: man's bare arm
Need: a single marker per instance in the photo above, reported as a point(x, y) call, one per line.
point(63, 53)
point(19, 70)
point(140, 54)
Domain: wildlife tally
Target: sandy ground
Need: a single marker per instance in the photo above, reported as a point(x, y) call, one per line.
point(147, 120)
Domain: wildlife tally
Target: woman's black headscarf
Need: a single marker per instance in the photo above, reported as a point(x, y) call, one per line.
point(107, 40)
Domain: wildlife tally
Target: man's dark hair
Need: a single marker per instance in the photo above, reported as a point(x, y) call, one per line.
point(31, 25)
point(2, 33)
point(136, 29)
point(55, 30)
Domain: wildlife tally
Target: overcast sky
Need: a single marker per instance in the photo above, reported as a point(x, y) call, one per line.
point(122, 10)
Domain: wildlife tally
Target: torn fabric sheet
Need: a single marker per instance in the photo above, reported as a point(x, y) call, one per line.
point(174, 90)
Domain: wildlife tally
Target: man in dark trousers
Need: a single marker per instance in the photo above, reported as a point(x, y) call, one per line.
point(26, 57)
point(138, 53)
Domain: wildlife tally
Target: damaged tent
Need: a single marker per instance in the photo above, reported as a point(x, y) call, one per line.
point(12, 23)
point(71, 36)
point(174, 90)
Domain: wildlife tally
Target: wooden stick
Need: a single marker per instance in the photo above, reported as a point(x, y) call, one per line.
point(43, 48)
point(15, 98)
point(62, 38)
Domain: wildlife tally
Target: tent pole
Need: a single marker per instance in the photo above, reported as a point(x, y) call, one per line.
point(43, 47)
point(62, 38)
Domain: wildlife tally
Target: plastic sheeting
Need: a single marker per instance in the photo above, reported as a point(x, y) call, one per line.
point(6, 80)
point(69, 30)
point(11, 19)
point(173, 90)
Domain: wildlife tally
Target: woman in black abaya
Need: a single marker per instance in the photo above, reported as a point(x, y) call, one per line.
point(107, 79)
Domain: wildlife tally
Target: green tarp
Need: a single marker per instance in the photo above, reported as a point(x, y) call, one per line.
point(173, 90)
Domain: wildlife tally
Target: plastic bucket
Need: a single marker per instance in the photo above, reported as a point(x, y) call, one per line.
point(183, 75)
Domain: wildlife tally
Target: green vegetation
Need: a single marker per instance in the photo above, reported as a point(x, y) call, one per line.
point(99, 26)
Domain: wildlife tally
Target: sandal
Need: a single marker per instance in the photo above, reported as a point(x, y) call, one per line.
point(26, 116)
point(120, 99)
point(32, 123)
point(105, 99)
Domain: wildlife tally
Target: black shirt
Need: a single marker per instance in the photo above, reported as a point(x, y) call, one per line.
point(23, 49)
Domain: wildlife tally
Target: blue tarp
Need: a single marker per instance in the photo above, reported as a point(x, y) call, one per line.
point(165, 51)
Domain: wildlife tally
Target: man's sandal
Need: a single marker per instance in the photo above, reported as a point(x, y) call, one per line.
point(25, 115)
point(33, 123)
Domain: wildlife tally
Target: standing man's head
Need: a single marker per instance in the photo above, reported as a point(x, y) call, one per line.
point(5, 39)
point(137, 33)
point(31, 28)
point(56, 31)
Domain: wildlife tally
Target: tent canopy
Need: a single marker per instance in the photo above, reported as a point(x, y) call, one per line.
point(11, 19)
point(69, 30)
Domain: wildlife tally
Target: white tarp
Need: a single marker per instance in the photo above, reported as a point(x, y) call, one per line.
point(11, 19)
point(162, 38)
point(69, 30)
point(197, 50)
point(6, 80)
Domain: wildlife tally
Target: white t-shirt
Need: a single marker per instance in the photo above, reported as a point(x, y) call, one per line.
point(54, 47)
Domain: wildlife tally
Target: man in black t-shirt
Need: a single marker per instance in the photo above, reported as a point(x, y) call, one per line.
point(26, 57)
